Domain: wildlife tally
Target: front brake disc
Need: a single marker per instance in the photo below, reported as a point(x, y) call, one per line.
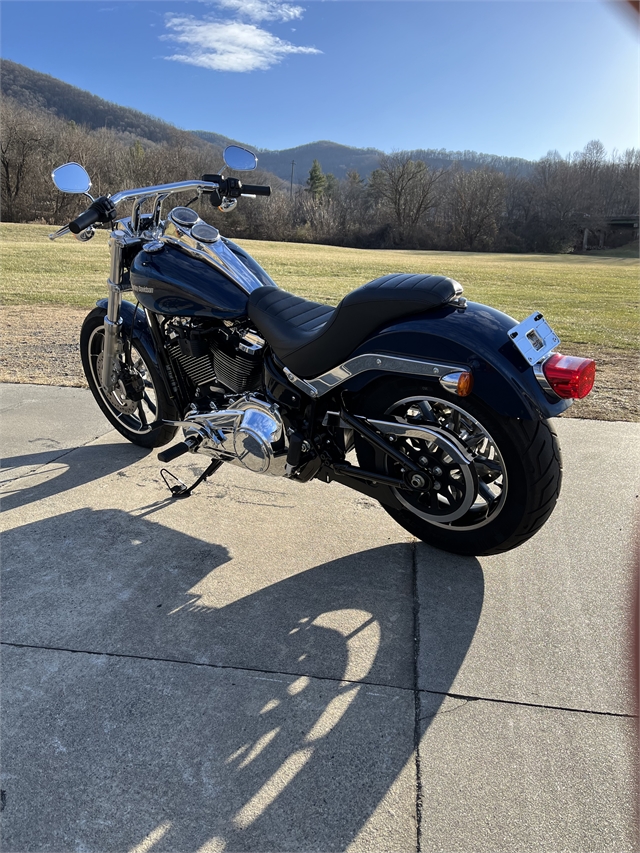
point(118, 396)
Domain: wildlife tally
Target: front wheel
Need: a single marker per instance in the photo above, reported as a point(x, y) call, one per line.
point(138, 405)
point(493, 504)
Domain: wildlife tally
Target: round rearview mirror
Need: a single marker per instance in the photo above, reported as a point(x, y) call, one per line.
point(71, 178)
point(239, 158)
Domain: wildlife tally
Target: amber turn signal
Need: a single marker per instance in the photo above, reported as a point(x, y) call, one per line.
point(465, 384)
point(570, 377)
point(460, 382)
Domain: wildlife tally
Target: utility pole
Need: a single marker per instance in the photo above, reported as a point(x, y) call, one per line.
point(293, 163)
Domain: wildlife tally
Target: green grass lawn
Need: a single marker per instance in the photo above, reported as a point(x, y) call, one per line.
point(588, 299)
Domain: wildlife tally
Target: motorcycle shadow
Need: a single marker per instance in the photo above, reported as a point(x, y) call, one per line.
point(34, 476)
point(287, 720)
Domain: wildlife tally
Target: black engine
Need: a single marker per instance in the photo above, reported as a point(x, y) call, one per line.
point(215, 357)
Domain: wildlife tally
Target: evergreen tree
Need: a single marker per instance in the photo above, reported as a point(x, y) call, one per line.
point(332, 185)
point(317, 180)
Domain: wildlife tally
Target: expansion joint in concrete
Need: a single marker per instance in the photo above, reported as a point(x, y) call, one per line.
point(217, 666)
point(290, 674)
point(519, 704)
point(55, 459)
point(240, 668)
point(416, 694)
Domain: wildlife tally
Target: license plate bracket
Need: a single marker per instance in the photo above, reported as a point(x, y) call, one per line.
point(534, 338)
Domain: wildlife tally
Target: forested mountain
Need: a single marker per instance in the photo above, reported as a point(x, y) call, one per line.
point(336, 159)
point(428, 199)
point(34, 90)
point(339, 160)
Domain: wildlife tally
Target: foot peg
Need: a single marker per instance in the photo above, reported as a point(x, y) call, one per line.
point(177, 450)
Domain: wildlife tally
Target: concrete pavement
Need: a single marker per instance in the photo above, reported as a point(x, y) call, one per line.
point(269, 666)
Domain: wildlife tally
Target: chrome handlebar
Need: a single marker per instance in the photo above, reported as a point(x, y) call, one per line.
point(180, 186)
point(142, 193)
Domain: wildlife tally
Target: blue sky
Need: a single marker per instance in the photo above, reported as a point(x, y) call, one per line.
point(513, 77)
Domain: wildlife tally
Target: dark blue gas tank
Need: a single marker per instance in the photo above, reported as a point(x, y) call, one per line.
point(172, 280)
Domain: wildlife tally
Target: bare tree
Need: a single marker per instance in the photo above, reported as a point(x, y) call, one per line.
point(407, 189)
point(477, 203)
point(20, 144)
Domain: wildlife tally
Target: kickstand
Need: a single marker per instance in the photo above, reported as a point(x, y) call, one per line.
point(182, 490)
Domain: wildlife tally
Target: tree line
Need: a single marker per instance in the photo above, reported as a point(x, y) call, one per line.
point(404, 203)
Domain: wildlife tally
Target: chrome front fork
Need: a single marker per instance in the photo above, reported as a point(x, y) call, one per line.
point(113, 344)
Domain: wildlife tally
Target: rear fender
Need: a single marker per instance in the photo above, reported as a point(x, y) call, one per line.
point(136, 316)
point(475, 337)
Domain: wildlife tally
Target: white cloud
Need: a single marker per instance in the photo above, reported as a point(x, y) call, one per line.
point(263, 10)
point(229, 45)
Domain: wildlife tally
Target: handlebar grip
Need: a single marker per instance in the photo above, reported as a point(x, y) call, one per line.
point(89, 217)
point(102, 210)
point(249, 189)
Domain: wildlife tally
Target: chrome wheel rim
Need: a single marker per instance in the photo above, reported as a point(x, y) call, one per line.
point(447, 507)
point(136, 416)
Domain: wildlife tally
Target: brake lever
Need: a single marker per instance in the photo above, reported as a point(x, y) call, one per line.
point(60, 232)
point(83, 236)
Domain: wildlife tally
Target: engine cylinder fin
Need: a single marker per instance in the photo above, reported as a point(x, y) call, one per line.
point(237, 373)
point(198, 370)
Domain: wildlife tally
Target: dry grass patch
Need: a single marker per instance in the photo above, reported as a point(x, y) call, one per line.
point(591, 301)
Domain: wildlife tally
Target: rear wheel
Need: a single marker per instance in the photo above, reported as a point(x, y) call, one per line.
point(138, 405)
point(497, 501)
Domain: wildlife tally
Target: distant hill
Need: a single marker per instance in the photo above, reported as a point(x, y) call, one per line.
point(40, 91)
point(340, 159)
point(220, 140)
point(334, 158)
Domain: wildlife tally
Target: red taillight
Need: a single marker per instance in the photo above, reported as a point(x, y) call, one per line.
point(570, 377)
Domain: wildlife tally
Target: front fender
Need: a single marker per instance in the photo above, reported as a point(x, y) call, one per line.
point(135, 316)
point(476, 337)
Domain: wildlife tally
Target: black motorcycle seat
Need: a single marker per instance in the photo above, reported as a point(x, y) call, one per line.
point(310, 338)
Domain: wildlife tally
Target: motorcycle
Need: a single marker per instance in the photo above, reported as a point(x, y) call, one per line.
point(435, 406)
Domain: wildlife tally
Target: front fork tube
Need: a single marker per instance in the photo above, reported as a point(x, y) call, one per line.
point(113, 345)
